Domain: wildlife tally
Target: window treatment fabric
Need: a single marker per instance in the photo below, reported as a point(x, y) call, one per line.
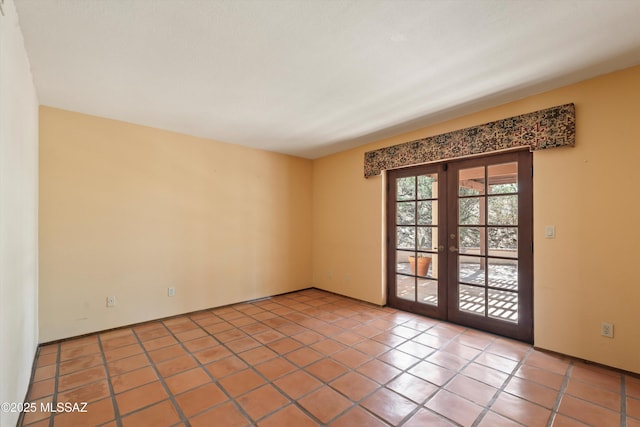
point(548, 128)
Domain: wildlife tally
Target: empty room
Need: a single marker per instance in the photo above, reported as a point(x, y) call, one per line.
point(319, 213)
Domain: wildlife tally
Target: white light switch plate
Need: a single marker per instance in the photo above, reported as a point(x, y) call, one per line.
point(550, 232)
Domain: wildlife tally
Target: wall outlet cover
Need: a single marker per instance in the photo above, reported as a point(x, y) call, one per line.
point(606, 329)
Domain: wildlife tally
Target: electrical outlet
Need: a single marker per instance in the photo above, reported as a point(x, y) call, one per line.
point(111, 301)
point(606, 329)
point(171, 291)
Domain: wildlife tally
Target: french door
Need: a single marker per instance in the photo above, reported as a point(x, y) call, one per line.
point(460, 242)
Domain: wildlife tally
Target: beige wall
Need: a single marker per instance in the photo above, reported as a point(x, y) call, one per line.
point(129, 211)
point(18, 215)
point(586, 275)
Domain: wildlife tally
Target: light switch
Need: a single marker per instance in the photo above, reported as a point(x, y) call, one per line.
point(550, 232)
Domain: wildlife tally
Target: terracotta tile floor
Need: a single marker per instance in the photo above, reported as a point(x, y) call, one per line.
point(313, 358)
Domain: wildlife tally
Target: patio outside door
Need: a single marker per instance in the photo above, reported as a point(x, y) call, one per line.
point(460, 242)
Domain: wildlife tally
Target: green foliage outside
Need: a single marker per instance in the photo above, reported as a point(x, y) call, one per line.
point(417, 206)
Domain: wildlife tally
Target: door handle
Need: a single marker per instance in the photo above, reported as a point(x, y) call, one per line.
point(453, 249)
point(441, 248)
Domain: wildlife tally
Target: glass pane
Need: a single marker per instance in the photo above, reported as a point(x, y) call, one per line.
point(471, 269)
point(426, 212)
point(406, 213)
point(469, 211)
point(503, 241)
point(471, 240)
point(402, 261)
point(503, 305)
point(406, 188)
point(428, 291)
point(471, 181)
point(428, 186)
point(471, 299)
point(406, 237)
point(503, 178)
point(503, 273)
point(503, 210)
point(420, 265)
point(425, 238)
point(406, 287)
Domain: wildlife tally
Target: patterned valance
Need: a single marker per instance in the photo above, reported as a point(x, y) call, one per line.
point(553, 127)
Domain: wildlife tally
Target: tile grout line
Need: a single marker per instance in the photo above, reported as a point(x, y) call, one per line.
point(214, 380)
point(294, 402)
point(384, 386)
point(439, 388)
point(459, 371)
point(424, 359)
point(54, 396)
point(502, 389)
point(348, 369)
point(561, 392)
point(250, 366)
point(181, 415)
point(381, 386)
point(597, 404)
point(116, 410)
point(232, 352)
point(324, 356)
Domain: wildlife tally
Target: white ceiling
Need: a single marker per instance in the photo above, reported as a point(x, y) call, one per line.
point(313, 77)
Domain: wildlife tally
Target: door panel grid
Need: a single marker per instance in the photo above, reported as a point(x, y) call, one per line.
point(488, 195)
point(458, 246)
point(416, 237)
